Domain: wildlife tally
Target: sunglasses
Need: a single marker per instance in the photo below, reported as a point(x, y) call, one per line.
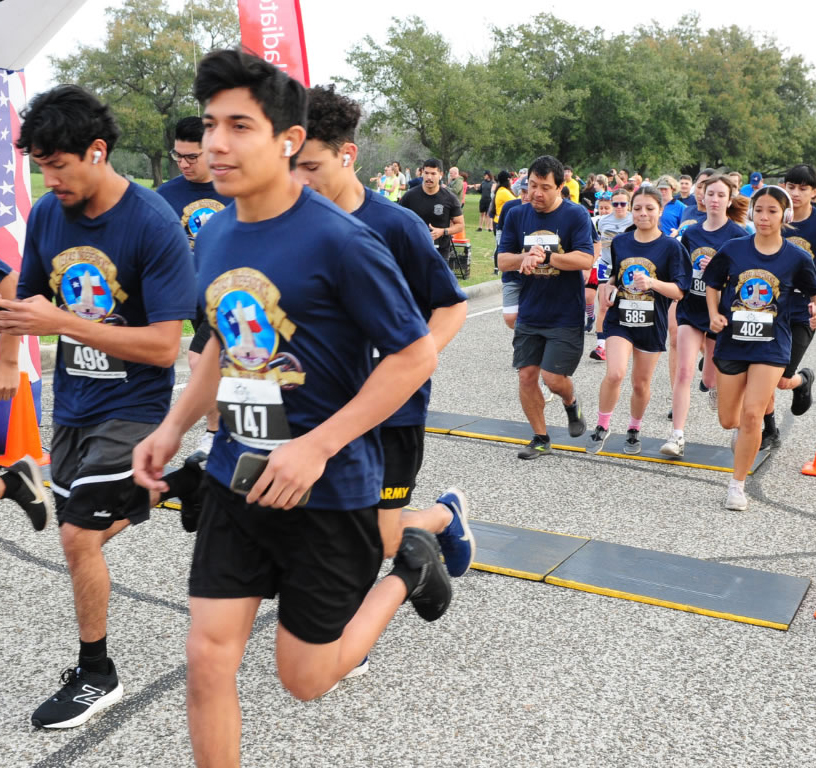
point(620, 205)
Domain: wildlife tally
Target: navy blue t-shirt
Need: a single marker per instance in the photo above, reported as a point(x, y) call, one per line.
point(513, 276)
point(803, 235)
point(691, 216)
point(700, 243)
point(430, 279)
point(5, 269)
point(129, 266)
point(193, 203)
point(756, 299)
point(550, 298)
point(296, 303)
point(643, 316)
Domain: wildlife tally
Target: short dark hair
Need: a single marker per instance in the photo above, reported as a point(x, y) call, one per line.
point(333, 117)
point(685, 177)
point(190, 129)
point(281, 98)
point(567, 167)
point(801, 174)
point(649, 191)
point(66, 119)
point(432, 162)
point(546, 164)
point(705, 172)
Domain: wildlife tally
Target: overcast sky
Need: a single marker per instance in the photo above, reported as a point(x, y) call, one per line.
point(332, 28)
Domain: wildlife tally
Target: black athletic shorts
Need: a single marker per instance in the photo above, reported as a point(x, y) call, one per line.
point(734, 367)
point(801, 336)
point(556, 350)
point(92, 474)
point(403, 449)
point(484, 205)
point(321, 563)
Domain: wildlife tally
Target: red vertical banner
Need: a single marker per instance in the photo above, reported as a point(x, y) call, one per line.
point(273, 30)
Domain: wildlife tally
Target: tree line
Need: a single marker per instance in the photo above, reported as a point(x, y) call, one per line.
point(652, 100)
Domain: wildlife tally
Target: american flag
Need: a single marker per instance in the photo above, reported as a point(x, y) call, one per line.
point(15, 205)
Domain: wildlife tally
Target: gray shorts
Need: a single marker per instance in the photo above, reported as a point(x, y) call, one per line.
point(555, 350)
point(510, 298)
point(92, 474)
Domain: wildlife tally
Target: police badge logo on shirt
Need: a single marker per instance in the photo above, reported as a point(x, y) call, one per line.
point(753, 313)
point(242, 306)
point(544, 238)
point(697, 283)
point(635, 307)
point(85, 279)
point(195, 215)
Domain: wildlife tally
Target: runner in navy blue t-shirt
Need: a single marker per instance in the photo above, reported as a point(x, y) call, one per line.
point(192, 195)
point(648, 271)
point(724, 208)
point(549, 241)
point(800, 184)
point(297, 292)
point(114, 257)
point(749, 294)
point(326, 164)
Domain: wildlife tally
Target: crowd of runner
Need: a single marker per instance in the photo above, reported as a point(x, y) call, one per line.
point(320, 306)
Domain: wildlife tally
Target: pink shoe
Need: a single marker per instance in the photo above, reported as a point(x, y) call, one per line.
point(599, 353)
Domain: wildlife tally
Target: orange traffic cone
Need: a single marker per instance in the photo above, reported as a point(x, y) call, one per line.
point(23, 437)
point(810, 468)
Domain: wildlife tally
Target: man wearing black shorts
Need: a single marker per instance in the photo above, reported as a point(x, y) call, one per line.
point(297, 292)
point(114, 257)
point(438, 207)
point(192, 195)
point(326, 164)
point(485, 190)
point(550, 242)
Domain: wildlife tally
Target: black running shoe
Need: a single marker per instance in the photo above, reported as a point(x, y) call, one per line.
point(82, 696)
point(538, 446)
point(632, 443)
point(420, 551)
point(577, 424)
point(670, 416)
point(801, 395)
point(31, 495)
point(703, 387)
point(597, 439)
point(191, 503)
point(700, 364)
point(770, 439)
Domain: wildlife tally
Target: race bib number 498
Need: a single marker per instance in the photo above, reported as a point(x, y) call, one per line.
point(81, 360)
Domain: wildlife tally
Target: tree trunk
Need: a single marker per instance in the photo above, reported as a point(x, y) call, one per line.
point(156, 168)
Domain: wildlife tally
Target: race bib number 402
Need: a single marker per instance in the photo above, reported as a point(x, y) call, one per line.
point(81, 360)
point(752, 326)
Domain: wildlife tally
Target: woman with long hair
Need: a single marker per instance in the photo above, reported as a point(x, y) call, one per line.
point(749, 293)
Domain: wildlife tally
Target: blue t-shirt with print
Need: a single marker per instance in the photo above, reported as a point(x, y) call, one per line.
point(699, 243)
point(643, 316)
point(691, 216)
point(512, 276)
point(296, 303)
point(756, 299)
point(430, 279)
point(551, 298)
point(803, 234)
point(194, 203)
point(130, 266)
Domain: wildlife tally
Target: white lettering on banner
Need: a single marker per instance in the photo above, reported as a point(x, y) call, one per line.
point(271, 34)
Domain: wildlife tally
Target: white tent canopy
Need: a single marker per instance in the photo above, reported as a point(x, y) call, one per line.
point(27, 25)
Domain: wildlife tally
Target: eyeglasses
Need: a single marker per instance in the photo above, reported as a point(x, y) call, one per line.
point(189, 158)
point(619, 205)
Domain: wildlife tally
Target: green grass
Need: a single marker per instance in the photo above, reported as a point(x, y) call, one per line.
point(38, 186)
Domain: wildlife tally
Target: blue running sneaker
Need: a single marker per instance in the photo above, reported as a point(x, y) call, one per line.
point(456, 541)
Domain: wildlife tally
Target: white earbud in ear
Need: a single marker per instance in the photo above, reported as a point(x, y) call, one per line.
point(97, 156)
point(287, 148)
point(346, 160)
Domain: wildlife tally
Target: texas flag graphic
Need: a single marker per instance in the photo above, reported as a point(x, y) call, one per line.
point(241, 319)
point(758, 291)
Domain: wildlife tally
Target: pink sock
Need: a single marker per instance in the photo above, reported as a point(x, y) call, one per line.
point(604, 419)
point(634, 423)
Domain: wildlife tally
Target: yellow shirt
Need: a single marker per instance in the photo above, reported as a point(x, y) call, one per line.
point(573, 188)
point(502, 196)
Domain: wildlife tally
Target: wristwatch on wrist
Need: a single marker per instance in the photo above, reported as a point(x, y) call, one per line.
point(446, 232)
point(547, 256)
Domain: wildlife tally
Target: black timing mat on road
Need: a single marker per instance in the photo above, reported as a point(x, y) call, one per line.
point(697, 455)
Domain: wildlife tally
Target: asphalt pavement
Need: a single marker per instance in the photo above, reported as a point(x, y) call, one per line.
point(517, 673)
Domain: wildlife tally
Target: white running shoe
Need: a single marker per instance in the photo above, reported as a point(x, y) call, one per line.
point(674, 446)
point(545, 390)
point(205, 444)
point(712, 399)
point(736, 499)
